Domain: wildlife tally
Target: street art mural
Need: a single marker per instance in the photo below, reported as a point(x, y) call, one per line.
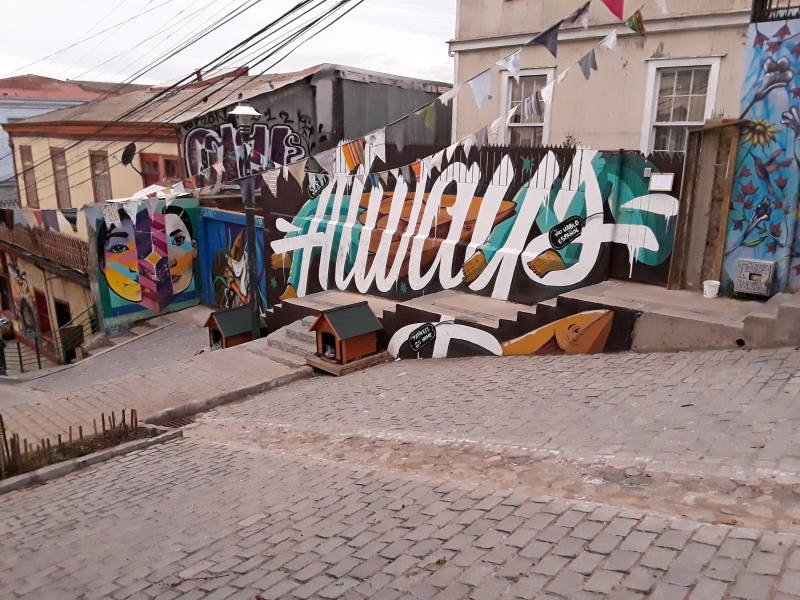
point(24, 300)
point(762, 221)
point(224, 260)
point(283, 137)
point(519, 225)
point(146, 259)
point(572, 327)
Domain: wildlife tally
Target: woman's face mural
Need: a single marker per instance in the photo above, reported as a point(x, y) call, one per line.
point(181, 252)
point(120, 264)
point(126, 245)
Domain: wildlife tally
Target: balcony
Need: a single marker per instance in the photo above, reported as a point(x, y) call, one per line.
point(775, 10)
point(52, 246)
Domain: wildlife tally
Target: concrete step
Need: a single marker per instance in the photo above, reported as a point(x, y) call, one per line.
point(285, 358)
point(281, 340)
point(301, 334)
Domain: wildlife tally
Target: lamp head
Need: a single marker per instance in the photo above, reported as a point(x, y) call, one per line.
point(245, 116)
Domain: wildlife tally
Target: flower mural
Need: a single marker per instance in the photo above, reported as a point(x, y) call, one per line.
point(763, 213)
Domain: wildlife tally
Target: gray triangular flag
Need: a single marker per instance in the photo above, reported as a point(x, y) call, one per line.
point(579, 16)
point(481, 86)
point(377, 142)
point(548, 38)
point(131, 209)
point(326, 160)
point(482, 137)
point(588, 63)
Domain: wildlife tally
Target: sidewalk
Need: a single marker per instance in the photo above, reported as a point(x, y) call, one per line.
point(158, 394)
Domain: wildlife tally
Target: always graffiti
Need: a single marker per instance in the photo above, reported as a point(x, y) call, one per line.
point(146, 261)
point(489, 231)
point(281, 139)
point(763, 212)
point(579, 328)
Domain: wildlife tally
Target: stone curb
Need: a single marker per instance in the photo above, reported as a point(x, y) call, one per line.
point(68, 466)
point(198, 406)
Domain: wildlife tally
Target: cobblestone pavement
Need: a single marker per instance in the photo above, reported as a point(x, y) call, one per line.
point(726, 412)
point(206, 521)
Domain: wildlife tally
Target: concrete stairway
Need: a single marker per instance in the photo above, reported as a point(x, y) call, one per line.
point(776, 323)
point(290, 345)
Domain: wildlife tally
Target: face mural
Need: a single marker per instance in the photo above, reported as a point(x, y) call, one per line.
point(146, 259)
point(763, 213)
point(226, 280)
point(533, 224)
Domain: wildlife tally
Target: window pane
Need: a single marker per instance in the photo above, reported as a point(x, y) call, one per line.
point(59, 160)
point(664, 109)
point(29, 177)
point(700, 81)
point(683, 82)
point(661, 141)
point(680, 108)
point(100, 177)
point(170, 168)
point(525, 136)
point(528, 86)
point(697, 108)
point(666, 86)
point(669, 139)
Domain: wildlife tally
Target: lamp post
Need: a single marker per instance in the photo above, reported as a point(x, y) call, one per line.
point(245, 116)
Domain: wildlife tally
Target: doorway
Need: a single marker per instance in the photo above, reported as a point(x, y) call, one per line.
point(63, 317)
point(328, 345)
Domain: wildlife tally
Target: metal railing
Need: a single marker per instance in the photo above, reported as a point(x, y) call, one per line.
point(775, 10)
point(17, 357)
point(70, 336)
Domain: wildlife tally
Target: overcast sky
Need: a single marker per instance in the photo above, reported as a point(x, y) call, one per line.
point(404, 37)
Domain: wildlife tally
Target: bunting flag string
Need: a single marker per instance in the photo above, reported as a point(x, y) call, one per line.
point(588, 63)
point(481, 86)
point(449, 95)
point(326, 160)
point(427, 115)
point(270, 177)
point(548, 38)
point(617, 7)
point(353, 153)
point(377, 143)
point(511, 62)
point(636, 22)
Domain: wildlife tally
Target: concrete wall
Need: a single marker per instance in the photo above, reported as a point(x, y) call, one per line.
point(125, 181)
point(608, 111)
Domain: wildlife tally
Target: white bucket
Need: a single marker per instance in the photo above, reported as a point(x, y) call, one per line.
point(710, 288)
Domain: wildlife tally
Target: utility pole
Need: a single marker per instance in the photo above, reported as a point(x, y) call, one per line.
point(245, 116)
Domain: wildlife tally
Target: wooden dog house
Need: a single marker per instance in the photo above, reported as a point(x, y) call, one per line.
point(229, 328)
point(347, 333)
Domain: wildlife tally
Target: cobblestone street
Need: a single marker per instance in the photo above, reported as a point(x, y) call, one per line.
point(440, 479)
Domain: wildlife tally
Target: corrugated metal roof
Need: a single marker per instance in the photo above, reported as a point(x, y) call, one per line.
point(189, 102)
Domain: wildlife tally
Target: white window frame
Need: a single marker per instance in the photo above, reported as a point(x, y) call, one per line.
point(505, 99)
point(651, 94)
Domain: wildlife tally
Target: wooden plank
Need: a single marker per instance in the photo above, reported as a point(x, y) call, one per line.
point(334, 368)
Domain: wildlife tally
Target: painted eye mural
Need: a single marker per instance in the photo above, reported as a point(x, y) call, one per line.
point(146, 259)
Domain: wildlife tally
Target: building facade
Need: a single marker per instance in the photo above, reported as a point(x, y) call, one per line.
point(71, 162)
point(646, 95)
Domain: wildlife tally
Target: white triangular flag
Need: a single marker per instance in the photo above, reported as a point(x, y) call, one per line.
point(511, 63)
point(449, 94)
point(436, 160)
point(451, 149)
point(511, 113)
point(662, 6)
point(270, 177)
point(563, 75)
point(327, 160)
point(377, 142)
point(497, 124)
point(151, 204)
point(285, 171)
point(111, 215)
point(468, 143)
point(481, 86)
point(179, 188)
point(610, 41)
point(219, 168)
point(547, 93)
point(132, 209)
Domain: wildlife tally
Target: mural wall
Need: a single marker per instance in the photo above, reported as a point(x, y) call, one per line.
point(522, 224)
point(571, 327)
point(223, 265)
point(762, 222)
point(287, 132)
point(145, 256)
point(23, 299)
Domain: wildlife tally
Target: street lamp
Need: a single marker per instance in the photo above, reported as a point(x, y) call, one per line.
point(245, 117)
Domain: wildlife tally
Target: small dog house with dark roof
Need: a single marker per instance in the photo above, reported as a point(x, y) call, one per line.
point(347, 333)
point(228, 328)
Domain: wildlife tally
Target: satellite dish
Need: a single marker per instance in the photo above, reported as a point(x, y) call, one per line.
point(128, 153)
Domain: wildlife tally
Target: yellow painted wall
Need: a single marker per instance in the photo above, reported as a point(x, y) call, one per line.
point(125, 181)
point(607, 111)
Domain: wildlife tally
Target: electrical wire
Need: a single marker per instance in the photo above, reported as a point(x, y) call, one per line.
point(275, 50)
point(202, 91)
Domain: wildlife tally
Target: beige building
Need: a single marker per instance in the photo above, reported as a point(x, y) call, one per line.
point(645, 95)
